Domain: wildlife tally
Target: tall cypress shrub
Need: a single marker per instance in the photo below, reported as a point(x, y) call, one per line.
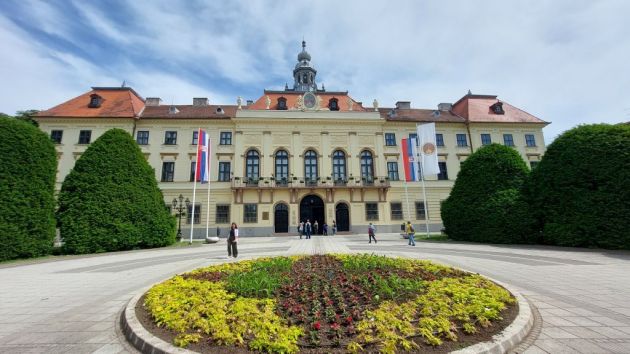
point(110, 200)
point(28, 165)
point(580, 190)
point(485, 204)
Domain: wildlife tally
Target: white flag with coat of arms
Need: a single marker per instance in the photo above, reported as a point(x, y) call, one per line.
point(427, 148)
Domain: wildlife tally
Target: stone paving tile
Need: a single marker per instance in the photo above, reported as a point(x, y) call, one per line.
point(535, 350)
point(584, 346)
point(583, 321)
point(610, 332)
point(583, 332)
point(111, 349)
point(554, 321)
point(616, 347)
point(554, 347)
point(557, 333)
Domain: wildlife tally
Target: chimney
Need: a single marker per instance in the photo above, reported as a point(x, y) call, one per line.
point(403, 105)
point(200, 101)
point(445, 106)
point(152, 101)
point(250, 102)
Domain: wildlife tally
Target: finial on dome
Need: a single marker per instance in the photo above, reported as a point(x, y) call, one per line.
point(303, 44)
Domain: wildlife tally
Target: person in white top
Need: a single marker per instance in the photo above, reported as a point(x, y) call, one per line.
point(233, 241)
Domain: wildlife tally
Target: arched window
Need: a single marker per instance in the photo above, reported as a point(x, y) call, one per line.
point(339, 166)
point(252, 165)
point(282, 166)
point(282, 104)
point(367, 167)
point(310, 166)
point(333, 104)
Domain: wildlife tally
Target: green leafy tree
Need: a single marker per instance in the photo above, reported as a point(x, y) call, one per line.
point(28, 165)
point(27, 116)
point(485, 204)
point(110, 200)
point(580, 191)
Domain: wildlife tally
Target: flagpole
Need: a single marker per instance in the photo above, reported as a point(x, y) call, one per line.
point(208, 201)
point(192, 214)
point(407, 198)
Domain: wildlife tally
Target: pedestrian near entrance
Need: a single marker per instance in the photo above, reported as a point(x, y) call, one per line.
point(233, 241)
point(334, 227)
point(308, 229)
point(301, 229)
point(316, 228)
point(411, 233)
point(325, 229)
point(372, 233)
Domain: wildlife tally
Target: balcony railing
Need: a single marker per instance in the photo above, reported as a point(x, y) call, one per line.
point(301, 182)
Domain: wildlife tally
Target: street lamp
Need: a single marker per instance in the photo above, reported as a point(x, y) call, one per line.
point(180, 205)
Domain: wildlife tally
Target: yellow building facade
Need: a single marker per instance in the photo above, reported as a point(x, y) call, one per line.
point(295, 154)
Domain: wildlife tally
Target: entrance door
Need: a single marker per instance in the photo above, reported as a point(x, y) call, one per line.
point(312, 208)
point(281, 218)
point(343, 217)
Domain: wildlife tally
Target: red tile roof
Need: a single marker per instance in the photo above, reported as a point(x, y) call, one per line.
point(189, 111)
point(117, 102)
point(419, 115)
point(292, 98)
point(477, 109)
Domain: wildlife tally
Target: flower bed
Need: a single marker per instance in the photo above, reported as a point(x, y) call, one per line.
point(327, 303)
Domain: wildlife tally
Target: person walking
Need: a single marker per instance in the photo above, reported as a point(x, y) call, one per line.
point(409, 230)
point(372, 233)
point(233, 241)
point(316, 228)
point(325, 229)
point(308, 229)
point(334, 228)
point(301, 229)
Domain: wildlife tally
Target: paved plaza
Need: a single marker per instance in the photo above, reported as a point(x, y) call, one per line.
point(73, 305)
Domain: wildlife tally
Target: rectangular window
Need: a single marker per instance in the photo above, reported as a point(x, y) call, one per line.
point(197, 214)
point(170, 138)
point(251, 213)
point(142, 137)
point(168, 171)
point(439, 139)
point(56, 136)
point(390, 139)
point(195, 140)
point(508, 140)
point(420, 212)
point(193, 170)
point(226, 138)
point(413, 136)
point(392, 171)
point(371, 211)
point(397, 212)
point(223, 214)
point(486, 139)
point(85, 136)
point(533, 164)
point(443, 175)
point(461, 140)
point(224, 171)
point(530, 140)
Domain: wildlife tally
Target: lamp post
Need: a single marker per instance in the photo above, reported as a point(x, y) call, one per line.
point(180, 205)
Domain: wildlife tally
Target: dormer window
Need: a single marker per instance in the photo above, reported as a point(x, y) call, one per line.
point(95, 101)
point(282, 104)
point(333, 104)
point(497, 108)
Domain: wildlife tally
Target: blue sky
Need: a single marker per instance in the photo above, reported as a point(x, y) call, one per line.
point(565, 61)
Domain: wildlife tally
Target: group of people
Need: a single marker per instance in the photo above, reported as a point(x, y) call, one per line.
point(307, 229)
point(409, 230)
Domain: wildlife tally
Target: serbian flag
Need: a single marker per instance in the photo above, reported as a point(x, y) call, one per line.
point(410, 160)
point(203, 157)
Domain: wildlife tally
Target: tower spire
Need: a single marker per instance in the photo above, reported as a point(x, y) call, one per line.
point(304, 74)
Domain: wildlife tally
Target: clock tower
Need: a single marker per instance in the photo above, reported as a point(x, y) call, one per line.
point(304, 74)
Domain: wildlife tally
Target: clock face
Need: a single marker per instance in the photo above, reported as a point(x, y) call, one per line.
point(309, 100)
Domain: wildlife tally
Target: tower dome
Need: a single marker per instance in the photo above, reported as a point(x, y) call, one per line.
point(304, 74)
point(304, 54)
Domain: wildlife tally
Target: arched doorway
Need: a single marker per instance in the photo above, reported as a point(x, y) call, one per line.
point(281, 218)
point(312, 208)
point(342, 216)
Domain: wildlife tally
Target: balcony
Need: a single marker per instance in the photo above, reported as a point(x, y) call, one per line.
point(307, 183)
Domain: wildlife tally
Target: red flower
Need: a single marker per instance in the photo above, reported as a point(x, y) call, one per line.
point(349, 319)
point(317, 326)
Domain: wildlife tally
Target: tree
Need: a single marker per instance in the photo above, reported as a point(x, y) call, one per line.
point(27, 116)
point(485, 204)
point(580, 191)
point(110, 201)
point(28, 165)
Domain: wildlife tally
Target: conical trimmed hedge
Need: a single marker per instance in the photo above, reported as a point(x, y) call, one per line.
point(110, 201)
point(485, 204)
point(28, 165)
point(580, 191)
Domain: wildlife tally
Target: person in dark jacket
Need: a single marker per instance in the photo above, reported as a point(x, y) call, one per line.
point(233, 241)
point(372, 233)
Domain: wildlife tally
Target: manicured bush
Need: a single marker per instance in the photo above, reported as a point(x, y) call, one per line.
point(580, 191)
point(28, 165)
point(110, 200)
point(485, 203)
